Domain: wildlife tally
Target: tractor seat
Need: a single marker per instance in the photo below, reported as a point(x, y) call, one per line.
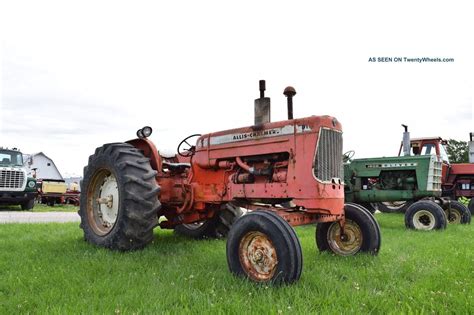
point(167, 154)
point(5, 161)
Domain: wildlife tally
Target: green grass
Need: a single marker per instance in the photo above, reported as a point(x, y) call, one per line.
point(42, 208)
point(48, 268)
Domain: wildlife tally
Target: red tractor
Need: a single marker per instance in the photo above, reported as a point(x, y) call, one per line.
point(285, 173)
point(457, 179)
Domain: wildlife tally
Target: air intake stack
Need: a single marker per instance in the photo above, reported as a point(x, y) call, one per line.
point(262, 106)
point(471, 147)
point(406, 141)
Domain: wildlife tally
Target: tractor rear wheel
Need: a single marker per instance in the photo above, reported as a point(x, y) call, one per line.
point(119, 199)
point(264, 248)
point(425, 215)
point(217, 227)
point(361, 233)
point(471, 206)
point(457, 213)
point(393, 206)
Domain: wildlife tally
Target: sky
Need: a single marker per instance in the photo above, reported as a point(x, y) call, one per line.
point(76, 75)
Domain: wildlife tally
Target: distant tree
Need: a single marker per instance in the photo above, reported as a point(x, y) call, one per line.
point(458, 151)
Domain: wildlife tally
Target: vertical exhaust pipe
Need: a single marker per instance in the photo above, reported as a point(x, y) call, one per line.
point(289, 92)
point(262, 106)
point(406, 141)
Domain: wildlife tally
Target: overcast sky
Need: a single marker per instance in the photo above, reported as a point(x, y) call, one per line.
point(75, 76)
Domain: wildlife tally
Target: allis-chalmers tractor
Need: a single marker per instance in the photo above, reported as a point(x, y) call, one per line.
point(414, 179)
point(286, 173)
point(457, 180)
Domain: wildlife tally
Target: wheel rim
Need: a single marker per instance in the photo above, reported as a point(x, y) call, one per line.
point(424, 220)
point(258, 256)
point(394, 205)
point(454, 216)
point(103, 202)
point(348, 243)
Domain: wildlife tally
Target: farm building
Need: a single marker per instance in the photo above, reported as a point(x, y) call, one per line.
point(44, 166)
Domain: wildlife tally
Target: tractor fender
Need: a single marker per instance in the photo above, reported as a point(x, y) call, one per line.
point(150, 151)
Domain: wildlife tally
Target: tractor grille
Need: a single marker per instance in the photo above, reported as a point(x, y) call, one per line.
point(434, 175)
point(11, 179)
point(328, 160)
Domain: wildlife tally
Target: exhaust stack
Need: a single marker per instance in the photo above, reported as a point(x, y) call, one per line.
point(406, 141)
point(262, 106)
point(471, 147)
point(289, 92)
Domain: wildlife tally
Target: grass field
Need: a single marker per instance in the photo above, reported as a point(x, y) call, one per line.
point(48, 268)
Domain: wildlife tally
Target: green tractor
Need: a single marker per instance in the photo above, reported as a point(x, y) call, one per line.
point(403, 178)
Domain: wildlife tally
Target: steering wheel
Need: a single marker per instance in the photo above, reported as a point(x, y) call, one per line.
point(185, 149)
point(346, 157)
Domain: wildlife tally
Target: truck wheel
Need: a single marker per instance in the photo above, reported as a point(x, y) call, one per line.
point(361, 233)
point(425, 215)
point(264, 248)
point(458, 214)
point(471, 206)
point(217, 227)
point(28, 205)
point(393, 206)
point(119, 199)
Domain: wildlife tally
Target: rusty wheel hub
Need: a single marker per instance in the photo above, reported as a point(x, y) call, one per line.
point(347, 243)
point(258, 256)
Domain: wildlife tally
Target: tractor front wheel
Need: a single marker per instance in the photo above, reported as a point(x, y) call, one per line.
point(471, 206)
point(264, 248)
point(425, 215)
point(361, 233)
point(119, 199)
point(457, 213)
point(371, 207)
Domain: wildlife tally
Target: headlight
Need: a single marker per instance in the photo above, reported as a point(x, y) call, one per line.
point(145, 132)
point(31, 184)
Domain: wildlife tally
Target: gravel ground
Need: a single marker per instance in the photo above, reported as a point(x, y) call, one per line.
point(38, 217)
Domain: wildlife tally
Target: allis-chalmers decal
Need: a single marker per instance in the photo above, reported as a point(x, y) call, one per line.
point(257, 134)
point(268, 133)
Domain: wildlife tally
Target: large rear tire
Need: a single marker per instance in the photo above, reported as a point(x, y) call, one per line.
point(457, 213)
point(425, 215)
point(119, 199)
point(264, 248)
point(471, 206)
point(217, 227)
point(361, 233)
point(394, 206)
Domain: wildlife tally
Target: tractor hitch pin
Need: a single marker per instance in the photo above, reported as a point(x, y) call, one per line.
point(107, 201)
point(289, 92)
